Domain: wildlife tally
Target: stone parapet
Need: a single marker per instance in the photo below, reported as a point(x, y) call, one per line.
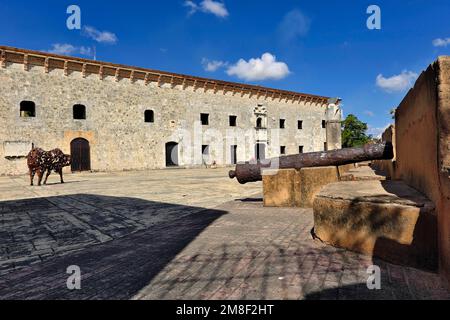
point(386, 219)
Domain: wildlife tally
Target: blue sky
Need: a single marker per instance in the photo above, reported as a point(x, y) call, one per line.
point(319, 47)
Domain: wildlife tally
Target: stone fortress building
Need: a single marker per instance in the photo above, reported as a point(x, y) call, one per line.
point(112, 117)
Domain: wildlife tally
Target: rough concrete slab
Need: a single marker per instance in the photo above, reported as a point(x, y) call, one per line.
point(387, 219)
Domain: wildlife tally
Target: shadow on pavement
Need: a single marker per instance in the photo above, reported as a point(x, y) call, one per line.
point(141, 238)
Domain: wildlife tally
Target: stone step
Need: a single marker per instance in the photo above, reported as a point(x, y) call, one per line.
point(386, 219)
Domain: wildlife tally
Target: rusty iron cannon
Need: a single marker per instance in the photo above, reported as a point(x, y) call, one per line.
point(252, 172)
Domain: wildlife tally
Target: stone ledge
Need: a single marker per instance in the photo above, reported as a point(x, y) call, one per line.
point(386, 219)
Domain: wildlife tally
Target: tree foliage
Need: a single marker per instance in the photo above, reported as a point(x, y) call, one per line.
point(354, 132)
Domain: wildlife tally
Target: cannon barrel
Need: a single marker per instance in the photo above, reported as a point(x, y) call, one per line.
point(252, 172)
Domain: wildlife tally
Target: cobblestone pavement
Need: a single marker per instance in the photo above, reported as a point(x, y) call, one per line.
point(132, 243)
point(37, 223)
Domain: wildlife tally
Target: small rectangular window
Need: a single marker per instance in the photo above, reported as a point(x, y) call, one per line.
point(149, 116)
point(233, 121)
point(300, 125)
point(325, 146)
point(27, 109)
point(204, 117)
point(282, 150)
point(324, 124)
point(282, 123)
point(79, 112)
point(300, 149)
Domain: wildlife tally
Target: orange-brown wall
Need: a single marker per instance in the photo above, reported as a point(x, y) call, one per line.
point(423, 146)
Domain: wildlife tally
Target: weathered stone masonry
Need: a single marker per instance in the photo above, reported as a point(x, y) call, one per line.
point(116, 98)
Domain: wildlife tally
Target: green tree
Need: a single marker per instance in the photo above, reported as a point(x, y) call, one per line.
point(354, 132)
point(393, 111)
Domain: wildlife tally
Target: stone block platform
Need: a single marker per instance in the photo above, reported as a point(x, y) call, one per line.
point(386, 219)
point(296, 188)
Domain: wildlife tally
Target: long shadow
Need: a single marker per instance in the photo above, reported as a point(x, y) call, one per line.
point(120, 244)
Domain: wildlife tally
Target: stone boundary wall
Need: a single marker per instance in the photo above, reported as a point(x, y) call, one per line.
point(423, 146)
point(387, 167)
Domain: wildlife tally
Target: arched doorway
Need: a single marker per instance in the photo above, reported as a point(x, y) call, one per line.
point(171, 154)
point(260, 151)
point(81, 155)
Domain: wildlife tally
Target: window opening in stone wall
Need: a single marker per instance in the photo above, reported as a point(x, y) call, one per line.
point(27, 109)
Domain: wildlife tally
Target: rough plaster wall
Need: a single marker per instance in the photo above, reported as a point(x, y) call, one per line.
point(115, 127)
point(422, 134)
point(444, 162)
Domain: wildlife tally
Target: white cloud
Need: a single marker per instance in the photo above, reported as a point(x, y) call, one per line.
point(294, 24)
point(100, 36)
point(213, 65)
point(192, 5)
point(208, 6)
point(62, 48)
point(264, 68)
point(441, 42)
point(377, 132)
point(86, 51)
point(369, 113)
point(397, 83)
point(68, 49)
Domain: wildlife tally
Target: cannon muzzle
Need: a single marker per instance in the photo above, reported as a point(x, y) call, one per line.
point(252, 172)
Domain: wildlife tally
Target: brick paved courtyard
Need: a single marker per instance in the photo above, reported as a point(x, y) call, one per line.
point(176, 234)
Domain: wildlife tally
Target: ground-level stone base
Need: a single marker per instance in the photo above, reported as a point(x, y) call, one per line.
point(296, 188)
point(386, 219)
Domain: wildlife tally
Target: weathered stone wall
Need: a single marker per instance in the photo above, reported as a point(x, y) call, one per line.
point(115, 128)
point(423, 146)
point(387, 167)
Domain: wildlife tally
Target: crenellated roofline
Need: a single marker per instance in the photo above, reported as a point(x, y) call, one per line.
point(86, 66)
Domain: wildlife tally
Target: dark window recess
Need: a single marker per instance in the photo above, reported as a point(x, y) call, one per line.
point(234, 154)
point(205, 154)
point(259, 123)
point(300, 149)
point(204, 117)
point(300, 125)
point(260, 151)
point(233, 121)
point(282, 150)
point(324, 124)
point(325, 146)
point(149, 116)
point(27, 109)
point(282, 123)
point(79, 112)
point(172, 154)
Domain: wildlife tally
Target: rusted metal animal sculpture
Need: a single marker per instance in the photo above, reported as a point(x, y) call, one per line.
point(41, 162)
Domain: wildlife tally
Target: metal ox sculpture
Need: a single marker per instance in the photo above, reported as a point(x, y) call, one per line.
point(252, 172)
